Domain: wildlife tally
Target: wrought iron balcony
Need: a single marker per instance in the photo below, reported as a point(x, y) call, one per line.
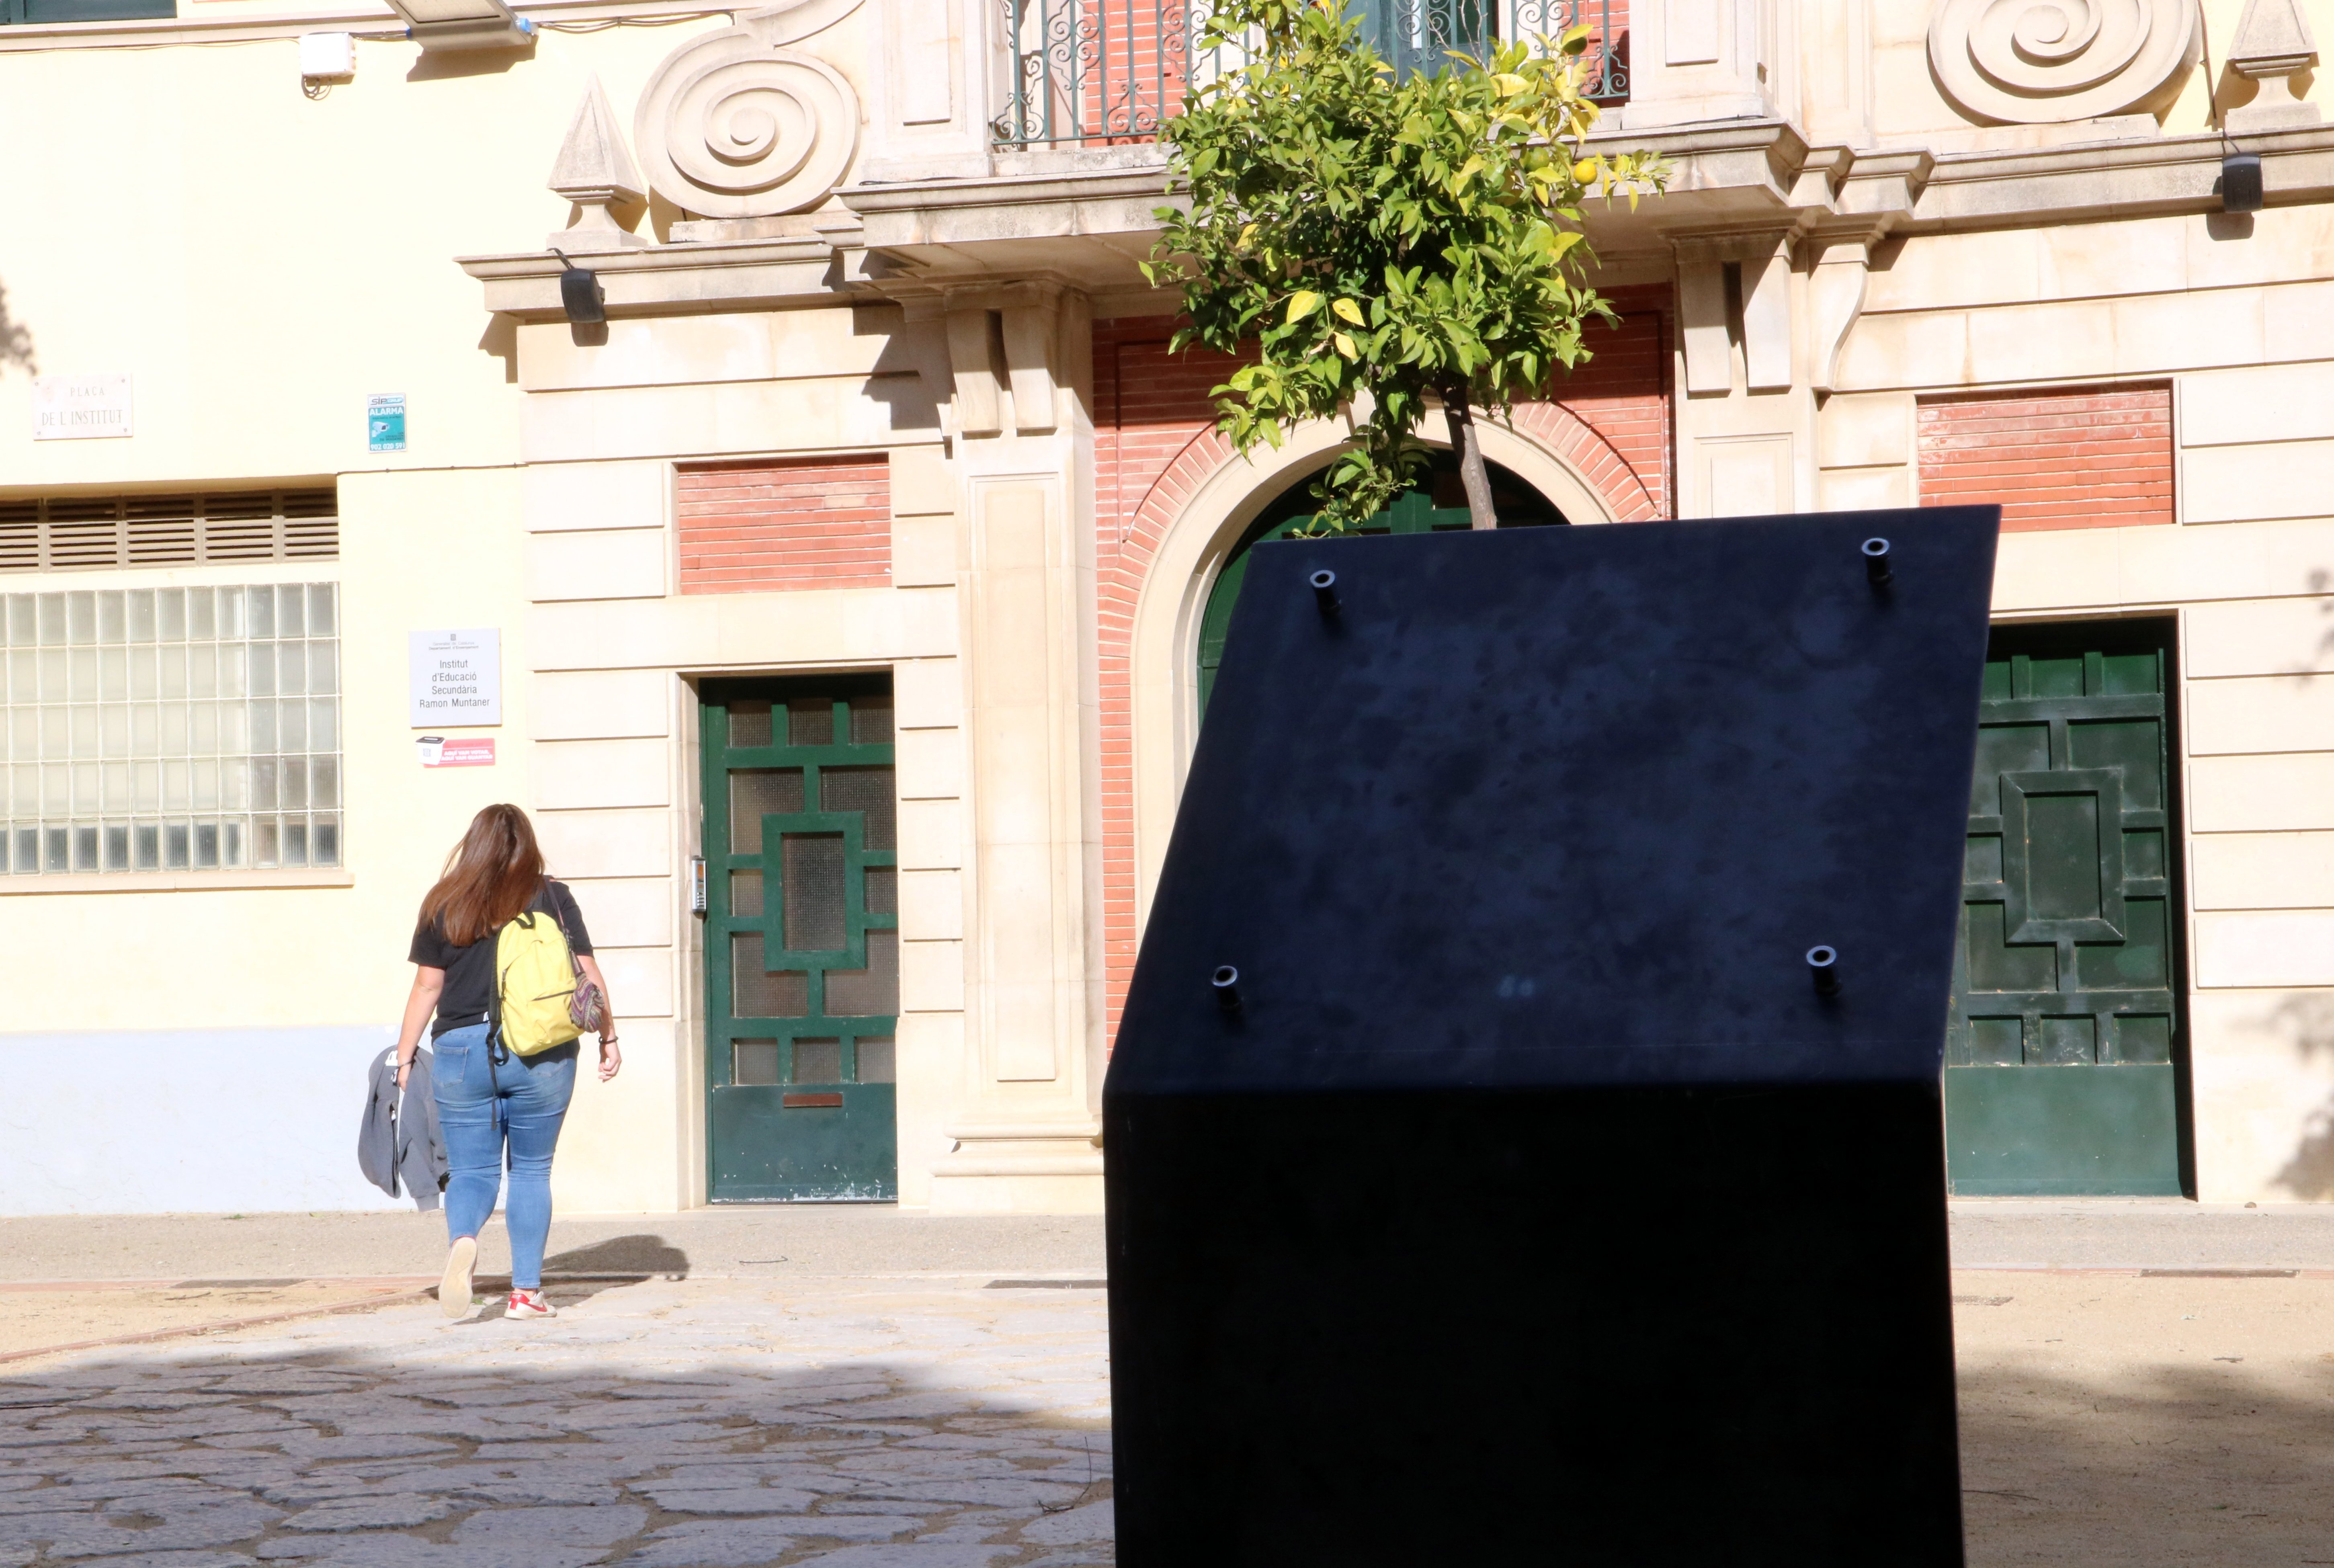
point(1107, 73)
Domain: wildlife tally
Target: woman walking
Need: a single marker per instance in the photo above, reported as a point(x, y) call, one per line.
point(490, 1098)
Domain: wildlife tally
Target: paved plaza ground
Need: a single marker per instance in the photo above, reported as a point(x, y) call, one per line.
point(2152, 1385)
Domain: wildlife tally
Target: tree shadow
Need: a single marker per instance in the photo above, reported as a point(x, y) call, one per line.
point(2308, 1022)
point(15, 341)
point(453, 1451)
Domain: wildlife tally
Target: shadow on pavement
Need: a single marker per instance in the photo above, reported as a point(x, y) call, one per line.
point(579, 1273)
point(439, 1453)
point(2169, 1466)
point(622, 1256)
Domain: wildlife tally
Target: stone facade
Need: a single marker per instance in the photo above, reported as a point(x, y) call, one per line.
point(882, 388)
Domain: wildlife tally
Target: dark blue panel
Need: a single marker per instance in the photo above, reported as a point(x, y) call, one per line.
point(1568, 807)
point(1533, 1205)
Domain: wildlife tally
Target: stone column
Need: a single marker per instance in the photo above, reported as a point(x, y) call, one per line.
point(1744, 418)
point(1028, 1131)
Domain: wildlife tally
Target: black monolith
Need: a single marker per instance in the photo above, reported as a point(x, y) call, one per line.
point(1543, 1195)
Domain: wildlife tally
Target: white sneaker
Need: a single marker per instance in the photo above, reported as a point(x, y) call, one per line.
point(530, 1304)
point(454, 1289)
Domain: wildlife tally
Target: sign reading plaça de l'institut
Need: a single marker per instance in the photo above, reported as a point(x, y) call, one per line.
point(457, 678)
point(72, 408)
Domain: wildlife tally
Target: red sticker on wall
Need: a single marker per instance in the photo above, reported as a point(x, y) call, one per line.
point(439, 753)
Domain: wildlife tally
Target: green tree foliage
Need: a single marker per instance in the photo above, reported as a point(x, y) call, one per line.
point(1383, 243)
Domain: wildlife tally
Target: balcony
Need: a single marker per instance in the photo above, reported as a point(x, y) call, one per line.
point(1094, 74)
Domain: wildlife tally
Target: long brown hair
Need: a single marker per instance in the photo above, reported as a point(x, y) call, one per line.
point(491, 878)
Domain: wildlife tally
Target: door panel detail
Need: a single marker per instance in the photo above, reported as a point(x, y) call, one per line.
point(802, 941)
point(2061, 1070)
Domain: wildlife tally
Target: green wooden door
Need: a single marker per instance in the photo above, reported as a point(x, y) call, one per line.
point(1437, 505)
point(801, 962)
point(2061, 1051)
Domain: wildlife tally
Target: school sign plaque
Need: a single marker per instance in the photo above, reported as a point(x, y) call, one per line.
point(456, 678)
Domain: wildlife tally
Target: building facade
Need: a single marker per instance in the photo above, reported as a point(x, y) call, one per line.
point(842, 605)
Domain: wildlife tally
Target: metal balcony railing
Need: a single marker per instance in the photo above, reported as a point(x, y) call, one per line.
point(1107, 73)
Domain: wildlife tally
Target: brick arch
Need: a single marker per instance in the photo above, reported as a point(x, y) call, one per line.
point(1156, 447)
point(1586, 451)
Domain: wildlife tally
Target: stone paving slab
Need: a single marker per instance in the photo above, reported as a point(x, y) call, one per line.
point(658, 1425)
point(2107, 1418)
point(51, 1316)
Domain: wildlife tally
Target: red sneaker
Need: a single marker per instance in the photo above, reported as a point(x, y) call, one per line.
point(529, 1304)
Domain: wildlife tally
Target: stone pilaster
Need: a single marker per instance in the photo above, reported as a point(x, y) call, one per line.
point(1028, 1131)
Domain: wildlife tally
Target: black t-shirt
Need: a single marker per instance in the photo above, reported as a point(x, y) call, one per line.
point(470, 970)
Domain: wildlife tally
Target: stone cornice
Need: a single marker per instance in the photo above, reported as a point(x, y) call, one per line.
point(1733, 182)
point(1091, 228)
point(673, 279)
point(2124, 179)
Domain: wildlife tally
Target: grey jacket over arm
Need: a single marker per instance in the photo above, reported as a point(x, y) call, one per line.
point(399, 1136)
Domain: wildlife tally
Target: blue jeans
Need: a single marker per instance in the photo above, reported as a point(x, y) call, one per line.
point(480, 1104)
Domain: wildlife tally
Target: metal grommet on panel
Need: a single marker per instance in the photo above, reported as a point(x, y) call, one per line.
point(1875, 561)
point(1823, 967)
point(1325, 590)
point(1226, 982)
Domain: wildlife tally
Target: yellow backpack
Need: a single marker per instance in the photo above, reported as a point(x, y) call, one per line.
point(536, 976)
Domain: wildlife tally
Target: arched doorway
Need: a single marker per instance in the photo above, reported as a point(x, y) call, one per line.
point(1436, 504)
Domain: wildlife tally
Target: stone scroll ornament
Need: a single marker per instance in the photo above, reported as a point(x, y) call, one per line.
point(2042, 61)
point(734, 124)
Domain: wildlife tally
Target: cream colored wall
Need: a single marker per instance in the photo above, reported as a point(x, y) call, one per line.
point(259, 263)
point(2239, 317)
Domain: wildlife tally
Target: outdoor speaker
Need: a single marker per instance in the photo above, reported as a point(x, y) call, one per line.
point(581, 297)
point(2241, 182)
point(1523, 1139)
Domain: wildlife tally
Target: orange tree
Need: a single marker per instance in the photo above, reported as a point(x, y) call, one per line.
point(1384, 245)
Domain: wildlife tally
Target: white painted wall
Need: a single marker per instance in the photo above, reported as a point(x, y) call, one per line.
point(187, 1121)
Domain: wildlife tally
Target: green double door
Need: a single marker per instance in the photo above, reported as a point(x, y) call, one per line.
point(2064, 1045)
point(802, 941)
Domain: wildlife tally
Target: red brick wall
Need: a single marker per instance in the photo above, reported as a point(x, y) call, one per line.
point(2090, 457)
point(1155, 442)
point(808, 523)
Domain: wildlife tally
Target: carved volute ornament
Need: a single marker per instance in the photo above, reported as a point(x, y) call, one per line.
point(2042, 61)
point(733, 124)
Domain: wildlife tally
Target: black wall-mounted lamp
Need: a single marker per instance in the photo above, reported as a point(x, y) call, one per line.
point(2241, 182)
point(580, 295)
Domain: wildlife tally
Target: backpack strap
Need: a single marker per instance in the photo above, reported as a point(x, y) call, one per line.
point(550, 900)
point(494, 1000)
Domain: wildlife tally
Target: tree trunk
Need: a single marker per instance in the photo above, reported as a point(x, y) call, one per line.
point(1457, 409)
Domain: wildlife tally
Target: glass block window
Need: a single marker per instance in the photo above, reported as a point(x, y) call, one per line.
point(171, 729)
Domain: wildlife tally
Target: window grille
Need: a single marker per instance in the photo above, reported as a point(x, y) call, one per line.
point(165, 730)
point(1107, 73)
point(80, 533)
